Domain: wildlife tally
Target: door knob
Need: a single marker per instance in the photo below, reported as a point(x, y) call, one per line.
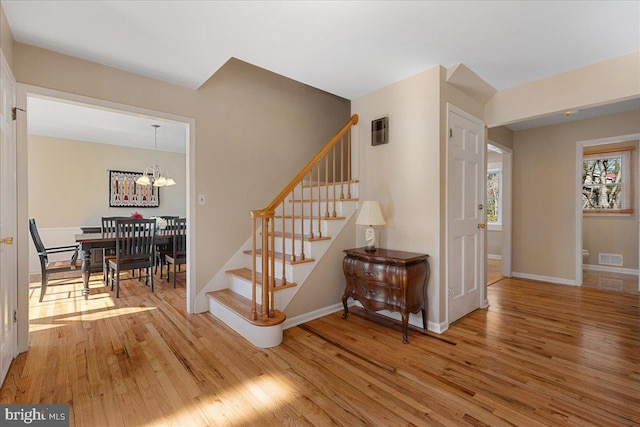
point(481, 225)
point(7, 240)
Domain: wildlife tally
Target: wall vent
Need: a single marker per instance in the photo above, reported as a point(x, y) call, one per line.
point(610, 259)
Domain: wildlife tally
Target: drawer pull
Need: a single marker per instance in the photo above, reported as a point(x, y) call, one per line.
point(369, 273)
point(370, 291)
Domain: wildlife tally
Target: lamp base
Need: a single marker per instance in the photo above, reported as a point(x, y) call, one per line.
point(370, 239)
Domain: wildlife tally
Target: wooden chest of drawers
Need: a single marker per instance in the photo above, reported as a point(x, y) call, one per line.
point(387, 280)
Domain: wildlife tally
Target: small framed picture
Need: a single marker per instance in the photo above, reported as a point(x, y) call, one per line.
point(380, 131)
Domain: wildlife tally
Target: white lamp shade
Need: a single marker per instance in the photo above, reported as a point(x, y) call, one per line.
point(161, 181)
point(143, 180)
point(370, 214)
point(170, 181)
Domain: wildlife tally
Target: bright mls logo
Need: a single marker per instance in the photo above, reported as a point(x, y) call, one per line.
point(34, 415)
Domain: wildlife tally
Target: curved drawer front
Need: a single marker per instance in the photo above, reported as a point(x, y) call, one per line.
point(378, 291)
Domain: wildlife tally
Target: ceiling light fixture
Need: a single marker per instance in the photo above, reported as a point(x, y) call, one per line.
point(153, 175)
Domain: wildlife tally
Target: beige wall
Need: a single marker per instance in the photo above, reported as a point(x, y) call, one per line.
point(614, 234)
point(254, 131)
point(404, 175)
point(6, 38)
point(79, 195)
point(501, 135)
point(608, 81)
point(544, 183)
point(325, 285)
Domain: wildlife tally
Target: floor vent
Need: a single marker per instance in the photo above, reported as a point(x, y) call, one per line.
point(610, 259)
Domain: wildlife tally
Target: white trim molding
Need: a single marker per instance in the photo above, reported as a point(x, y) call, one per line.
point(608, 269)
point(556, 280)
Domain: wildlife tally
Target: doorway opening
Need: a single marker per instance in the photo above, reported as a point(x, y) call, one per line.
point(608, 242)
point(498, 210)
point(123, 139)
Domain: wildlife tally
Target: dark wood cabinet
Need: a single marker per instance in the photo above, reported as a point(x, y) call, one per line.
point(387, 280)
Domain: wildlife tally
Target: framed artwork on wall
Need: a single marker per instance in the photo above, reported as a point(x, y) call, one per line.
point(380, 131)
point(125, 193)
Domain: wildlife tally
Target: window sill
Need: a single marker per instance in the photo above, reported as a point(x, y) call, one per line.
point(594, 212)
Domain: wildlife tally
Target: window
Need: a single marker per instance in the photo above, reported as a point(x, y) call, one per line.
point(606, 182)
point(494, 196)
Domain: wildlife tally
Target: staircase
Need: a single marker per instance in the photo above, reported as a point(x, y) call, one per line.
point(288, 239)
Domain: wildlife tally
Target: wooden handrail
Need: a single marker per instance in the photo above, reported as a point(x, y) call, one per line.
point(295, 181)
point(266, 217)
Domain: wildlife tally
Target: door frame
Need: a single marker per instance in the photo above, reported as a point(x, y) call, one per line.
point(23, 92)
point(482, 295)
point(13, 349)
point(580, 145)
point(507, 205)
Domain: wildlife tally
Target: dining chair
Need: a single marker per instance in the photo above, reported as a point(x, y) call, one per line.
point(178, 255)
point(134, 250)
point(108, 228)
point(163, 249)
point(47, 267)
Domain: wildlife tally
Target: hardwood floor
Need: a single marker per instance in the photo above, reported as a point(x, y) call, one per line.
point(540, 355)
point(494, 270)
point(611, 281)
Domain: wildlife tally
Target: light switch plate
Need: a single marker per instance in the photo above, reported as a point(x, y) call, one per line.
point(201, 200)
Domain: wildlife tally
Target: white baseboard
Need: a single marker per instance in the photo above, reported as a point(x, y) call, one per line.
point(609, 269)
point(312, 315)
point(491, 256)
point(557, 280)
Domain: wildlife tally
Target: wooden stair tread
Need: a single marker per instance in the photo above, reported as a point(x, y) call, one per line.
point(297, 236)
point(242, 307)
point(315, 218)
point(246, 275)
point(279, 257)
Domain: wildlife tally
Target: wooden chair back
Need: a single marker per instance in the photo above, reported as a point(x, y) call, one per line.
point(179, 233)
point(37, 241)
point(134, 239)
point(108, 225)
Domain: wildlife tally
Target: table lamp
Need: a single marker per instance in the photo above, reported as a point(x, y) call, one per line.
point(370, 215)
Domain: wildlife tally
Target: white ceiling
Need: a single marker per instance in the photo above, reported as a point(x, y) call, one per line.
point(56, 119)
point(347, 48)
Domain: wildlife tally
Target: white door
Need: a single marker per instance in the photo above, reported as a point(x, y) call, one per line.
point(8, 213)
point(465, 214)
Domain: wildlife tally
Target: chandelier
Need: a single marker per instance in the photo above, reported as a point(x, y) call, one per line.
point(153, 175)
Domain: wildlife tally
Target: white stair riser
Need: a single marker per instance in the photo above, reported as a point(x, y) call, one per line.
point(288, 246)
point(300, 223)
point(243, 288)
point(323, 191)
point(260, 336)
point(328, 227)
point(312, 208)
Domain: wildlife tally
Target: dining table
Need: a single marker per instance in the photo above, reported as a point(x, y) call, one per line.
point(90, 241)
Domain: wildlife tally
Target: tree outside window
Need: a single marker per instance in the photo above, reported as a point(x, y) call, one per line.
point(494, 199)
point(605, 183)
